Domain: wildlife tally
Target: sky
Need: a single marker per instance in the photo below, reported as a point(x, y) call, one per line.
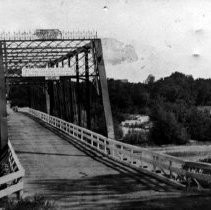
point(168, 35)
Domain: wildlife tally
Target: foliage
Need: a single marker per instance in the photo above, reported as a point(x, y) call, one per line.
point(128, 97)
point(166, 128)
point(150, 79)
point(117, 130)
point(35, 203)
point(177, 87)
point(171, 103)
point(199, 125)
point(135, 138)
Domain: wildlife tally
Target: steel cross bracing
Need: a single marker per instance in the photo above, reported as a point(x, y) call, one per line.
point(41, 53)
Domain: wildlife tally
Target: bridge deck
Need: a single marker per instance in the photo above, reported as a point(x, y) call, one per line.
point(61, 172)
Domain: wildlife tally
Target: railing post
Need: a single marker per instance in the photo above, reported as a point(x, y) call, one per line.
point(20, 194)
point(105, 146)
point(112, 149)
point(73, 131)
point(170, 172)
point(92, 143)
point(121, 155)
point(154, 163)
point(69, 129)
point(141, 161)
point(98, 145)
point(131, 156)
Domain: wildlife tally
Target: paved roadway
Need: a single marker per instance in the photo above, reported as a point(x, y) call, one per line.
point(61, 172)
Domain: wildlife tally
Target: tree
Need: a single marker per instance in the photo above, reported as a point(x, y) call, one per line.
point(166, 129)
point(150, 79)
point(199, 124)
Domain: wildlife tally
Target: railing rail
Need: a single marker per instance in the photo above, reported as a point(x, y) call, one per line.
point(48, 35)
point(12, 182)
point(173, 169)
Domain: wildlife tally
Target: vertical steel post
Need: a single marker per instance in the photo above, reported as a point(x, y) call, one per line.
point(104, 87)
point(70, 96)
point(47, 98)
point(51, 97)
point(31, 97)
point(71, 103)
point(88, 111)
point(3, 113)
point(78, 90)
point(68, 63)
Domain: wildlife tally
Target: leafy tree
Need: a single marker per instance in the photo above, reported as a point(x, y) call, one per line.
point(199, 124)
point(150, 79)
point(166, 128)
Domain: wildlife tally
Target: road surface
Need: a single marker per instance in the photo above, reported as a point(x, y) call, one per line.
point(73, 179)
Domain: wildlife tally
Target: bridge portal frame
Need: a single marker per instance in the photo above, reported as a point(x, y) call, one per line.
point(26, 50)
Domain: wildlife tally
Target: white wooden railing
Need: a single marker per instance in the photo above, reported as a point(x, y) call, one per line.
point(171, 169)
point(12, 182)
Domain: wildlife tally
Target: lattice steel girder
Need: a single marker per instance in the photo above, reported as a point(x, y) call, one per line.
point(47, 56)
point(39, 48)
point(77, 51)
point(44, 42)
point(41, 61)
point(15, 54)
point(19, 53)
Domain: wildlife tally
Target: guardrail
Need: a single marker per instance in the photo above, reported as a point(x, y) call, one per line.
point(12, 181)
point(168, 168)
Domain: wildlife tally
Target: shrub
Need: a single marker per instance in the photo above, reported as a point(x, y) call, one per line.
point(135, 137)
point(199, 125)
point(117, 130)
point(35, 203)
point(166, 128)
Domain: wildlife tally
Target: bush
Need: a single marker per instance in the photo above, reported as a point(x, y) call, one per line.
point(166, 128)
point(35, 203)
point(135, 137)
point(117, 130)
point(199, 125)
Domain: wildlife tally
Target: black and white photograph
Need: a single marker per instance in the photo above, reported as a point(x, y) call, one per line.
point(105, 104)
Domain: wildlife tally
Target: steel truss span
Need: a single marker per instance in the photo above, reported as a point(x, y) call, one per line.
point(74, 97)
point(41, 53)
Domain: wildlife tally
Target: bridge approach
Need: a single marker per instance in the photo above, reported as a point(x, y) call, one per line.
point(64, 172)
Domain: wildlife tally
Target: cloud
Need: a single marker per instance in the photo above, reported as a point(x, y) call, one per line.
point(116, 52)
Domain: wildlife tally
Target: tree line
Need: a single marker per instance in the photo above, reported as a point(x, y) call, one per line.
point(172, 103)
